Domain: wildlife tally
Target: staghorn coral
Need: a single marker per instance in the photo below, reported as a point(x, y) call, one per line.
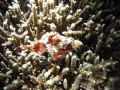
point(57, 45)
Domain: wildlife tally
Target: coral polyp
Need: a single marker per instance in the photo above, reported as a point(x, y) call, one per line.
point(57, 45)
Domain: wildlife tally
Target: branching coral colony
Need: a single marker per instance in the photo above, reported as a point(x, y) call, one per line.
point(43, 47)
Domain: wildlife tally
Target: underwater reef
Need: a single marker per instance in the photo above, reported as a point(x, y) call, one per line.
point(59, 45)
